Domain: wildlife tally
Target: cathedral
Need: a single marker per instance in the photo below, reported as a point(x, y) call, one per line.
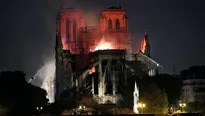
point(100, 52)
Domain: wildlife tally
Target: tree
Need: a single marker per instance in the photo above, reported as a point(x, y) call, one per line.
point(3, 111)
point(149, 93)
point(166, 82)
point(155, 99)
point(195, 107)
point(19, 96)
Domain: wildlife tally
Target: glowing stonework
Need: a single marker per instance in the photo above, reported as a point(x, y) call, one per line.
point(136, 99)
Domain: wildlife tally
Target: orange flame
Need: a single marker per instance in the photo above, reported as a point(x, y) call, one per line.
point(92, 70)
point(103, 45)
point(143, 45)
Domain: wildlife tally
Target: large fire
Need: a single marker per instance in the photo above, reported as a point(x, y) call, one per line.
point(103, 45)
point(143, 46)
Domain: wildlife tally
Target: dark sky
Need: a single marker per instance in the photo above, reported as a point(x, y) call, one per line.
point(176, 30)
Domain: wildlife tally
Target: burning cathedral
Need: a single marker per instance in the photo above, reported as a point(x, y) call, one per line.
point(99, 54)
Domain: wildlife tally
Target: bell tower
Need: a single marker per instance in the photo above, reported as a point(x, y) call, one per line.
point(114, 18)
point(71, 21)
point(114, 26)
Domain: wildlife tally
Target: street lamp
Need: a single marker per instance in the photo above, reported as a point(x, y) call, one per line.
point(39, 108)
point(182, 105)
point(141, 106)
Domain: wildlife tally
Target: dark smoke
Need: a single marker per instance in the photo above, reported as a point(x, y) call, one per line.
point(28, 33)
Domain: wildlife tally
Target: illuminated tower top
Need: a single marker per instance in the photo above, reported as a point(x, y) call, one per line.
point(113, 18)
point(71, 21)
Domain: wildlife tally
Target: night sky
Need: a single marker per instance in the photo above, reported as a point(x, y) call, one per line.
point(176, 30)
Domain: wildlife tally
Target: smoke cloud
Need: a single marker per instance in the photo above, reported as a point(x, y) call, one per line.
point(91, 10)
point(46, 71)
point(136, 39)
point(45, 78)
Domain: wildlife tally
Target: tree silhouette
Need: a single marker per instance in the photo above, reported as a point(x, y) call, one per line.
point(195, 107)
point(19, 96)
point(166, 82)
point(155, 99)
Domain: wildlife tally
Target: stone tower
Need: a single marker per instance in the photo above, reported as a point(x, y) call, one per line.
point(64, 78)
point(114, 26)
point(71, 21)
point(115, 19)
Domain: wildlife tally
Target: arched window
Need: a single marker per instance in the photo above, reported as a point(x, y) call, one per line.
point(67, 31)
point(74, 30)
point(109, 24)
point(117, 24)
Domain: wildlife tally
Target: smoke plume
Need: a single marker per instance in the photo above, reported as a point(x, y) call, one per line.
point(91, 10)
point(46, 72)
point(136, 40)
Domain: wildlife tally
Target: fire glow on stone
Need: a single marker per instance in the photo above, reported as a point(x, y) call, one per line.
point(92, 70)
point(104, 45)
